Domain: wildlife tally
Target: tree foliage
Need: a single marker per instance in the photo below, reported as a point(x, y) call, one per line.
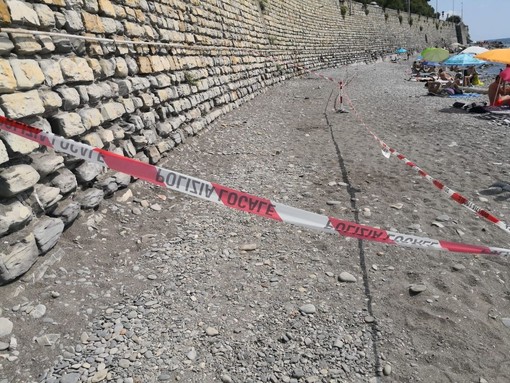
point(420, 7)
point(454, 19)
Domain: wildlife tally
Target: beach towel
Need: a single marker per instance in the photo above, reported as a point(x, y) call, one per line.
point(465, 95)
point(505, 109)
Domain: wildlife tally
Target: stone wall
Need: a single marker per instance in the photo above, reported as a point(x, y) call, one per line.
point(141, 101)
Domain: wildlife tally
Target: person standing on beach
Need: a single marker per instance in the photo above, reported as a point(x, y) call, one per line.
point(498, 96)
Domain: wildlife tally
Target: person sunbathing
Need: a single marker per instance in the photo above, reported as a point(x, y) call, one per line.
point(498, 95)
point(444, 76)
point(438, 88)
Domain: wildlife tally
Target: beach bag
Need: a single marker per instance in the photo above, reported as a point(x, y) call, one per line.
point(449, 91)
point(478, 108)
point(458, 91)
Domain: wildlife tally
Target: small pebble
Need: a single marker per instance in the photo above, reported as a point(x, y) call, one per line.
point(248, 247)
point(307, 309)
point(418, 288)
point(346, 277)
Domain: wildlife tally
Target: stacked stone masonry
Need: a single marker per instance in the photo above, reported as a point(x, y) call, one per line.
point(141, 101)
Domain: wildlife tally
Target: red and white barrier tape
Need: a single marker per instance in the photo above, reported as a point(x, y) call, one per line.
point(457, 197)
point(233, 198)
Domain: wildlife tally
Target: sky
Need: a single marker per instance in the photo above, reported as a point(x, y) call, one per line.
point(487, 19)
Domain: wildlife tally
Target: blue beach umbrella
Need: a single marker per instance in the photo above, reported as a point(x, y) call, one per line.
point(401, 50)
point(463, 59)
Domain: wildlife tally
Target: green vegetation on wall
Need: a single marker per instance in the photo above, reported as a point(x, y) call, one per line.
point(343, 11)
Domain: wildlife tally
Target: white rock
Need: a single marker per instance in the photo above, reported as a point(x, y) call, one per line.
point(5, 327)
point(346, 277)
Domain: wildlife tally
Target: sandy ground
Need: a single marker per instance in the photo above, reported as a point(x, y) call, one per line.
point(183, 265)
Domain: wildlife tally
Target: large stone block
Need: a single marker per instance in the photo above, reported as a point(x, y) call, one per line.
point(27, 72)
point(144, 65)
point(46, 162)
point(91, 117)
point(93, 139)
point(82, 91)
point(112, 111)
point(47, 231)
point(13, 215)
point(18, 252)
point(89, 198)
point(67, 211)
point(70, 98)
point(109, 25)
point(96, 68)
point(6, 45)
point(132, 65)
point(91, 6)
point(106, 135)
point(44, 197)
point(133, 29)
point(106, 8)
point(156, 64)
point(47, 45)
point(17, 178)
point(93, 23)
point(87, 171)
point(4, 156)
point(51, 101)
point(76, 69)
point(52, 72)
point(121, 69)
point(68, 124)
point(46, 16)
point(5, 16)
point(65, 180)
point(23, 13)
point(25, 44)
point(129, 105)
point(19, 105)
point(73, 21)
point(108, 67)
point(7, 79)
point(18, 144)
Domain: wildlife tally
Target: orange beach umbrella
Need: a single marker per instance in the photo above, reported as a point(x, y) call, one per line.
point(496, 55)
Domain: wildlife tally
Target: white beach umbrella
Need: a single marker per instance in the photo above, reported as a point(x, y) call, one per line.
point(474, 50)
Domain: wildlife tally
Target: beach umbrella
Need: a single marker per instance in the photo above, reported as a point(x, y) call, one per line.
point(435, 54)
point(474, 50)
point(463, 59)
point(401, 50)
point(496, 55)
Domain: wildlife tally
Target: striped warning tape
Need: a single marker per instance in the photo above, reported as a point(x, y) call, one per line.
point(457, 197)
point(233, 198)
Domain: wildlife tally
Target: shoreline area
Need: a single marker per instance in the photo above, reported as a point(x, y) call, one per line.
point(157, 286)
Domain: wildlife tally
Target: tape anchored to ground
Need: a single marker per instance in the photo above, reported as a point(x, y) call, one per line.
point(233, 198)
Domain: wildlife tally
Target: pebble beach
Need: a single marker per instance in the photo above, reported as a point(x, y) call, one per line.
point(156, 286)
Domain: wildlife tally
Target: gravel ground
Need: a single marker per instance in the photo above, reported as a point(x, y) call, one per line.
point(157, 286)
